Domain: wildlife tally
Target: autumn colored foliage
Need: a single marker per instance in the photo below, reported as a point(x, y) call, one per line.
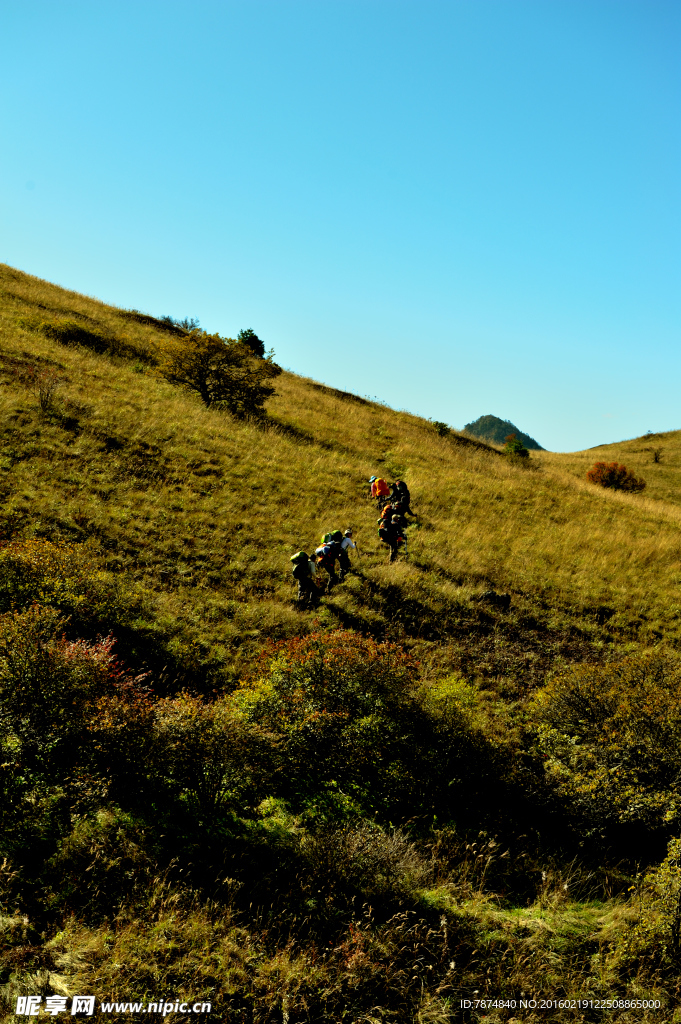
point(615, 476)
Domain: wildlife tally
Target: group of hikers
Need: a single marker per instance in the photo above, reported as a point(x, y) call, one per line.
point(393, 501)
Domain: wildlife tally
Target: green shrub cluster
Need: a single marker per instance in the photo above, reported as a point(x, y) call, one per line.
point(333, 777)
point(356, 735)
point(649, 948)
point(59, 575)
point(515, 448)
point(302, 772)
point(92, 601)
point(611, 736)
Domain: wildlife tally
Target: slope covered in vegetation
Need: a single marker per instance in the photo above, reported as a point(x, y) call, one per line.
point(408, 797)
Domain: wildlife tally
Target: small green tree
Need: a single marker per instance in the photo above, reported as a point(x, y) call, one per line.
point(224, 372)
point(251, 339)
point(515, 447)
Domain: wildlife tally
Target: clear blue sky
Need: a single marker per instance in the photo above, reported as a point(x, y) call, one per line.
point(458, 207)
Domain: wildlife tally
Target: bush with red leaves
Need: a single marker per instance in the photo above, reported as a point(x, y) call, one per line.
point(614, 475)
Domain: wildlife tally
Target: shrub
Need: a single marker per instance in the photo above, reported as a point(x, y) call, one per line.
point(223, 372)
point(515, 448)
point(611, 736)
point(48, 690)
point(443, 429)
point(209, 753)
point(37, 570)
point(651, 946)
point(364, 859)
point(45, 385)
point(123, 751)
point(355, 734)
point(108, 848)
point(615, 476)
point(345, 709)
point(96, 601)
point(63, 576)
point(187, 324)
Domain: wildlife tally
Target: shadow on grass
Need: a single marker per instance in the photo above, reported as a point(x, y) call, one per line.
point(489, 642)
point(270, 423)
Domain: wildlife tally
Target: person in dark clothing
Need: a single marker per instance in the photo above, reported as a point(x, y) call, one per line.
point(327, 555)
point(404, 497)
point(384, 505)
point(391, 533)
point(397, 512)
point(308, 592)
point(337, 553)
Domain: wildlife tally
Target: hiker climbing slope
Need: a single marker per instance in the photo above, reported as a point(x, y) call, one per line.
point(404, 497)
point(327, 555)
point(304, 570)
point(379, 489)
point(391, 532)
point(396, 512)
point(344, 558)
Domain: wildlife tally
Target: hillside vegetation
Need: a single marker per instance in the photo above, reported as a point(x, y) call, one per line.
point(410, 796)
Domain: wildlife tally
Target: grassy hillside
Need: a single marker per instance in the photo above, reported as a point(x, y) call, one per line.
point(451, 844)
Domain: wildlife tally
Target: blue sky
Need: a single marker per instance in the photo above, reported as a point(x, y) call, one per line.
point(457, 207)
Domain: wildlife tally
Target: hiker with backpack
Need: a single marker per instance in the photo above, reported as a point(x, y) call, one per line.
point(327, 554)
point(391, 532)
point(336, 544)
point(396, 509)
point(379, 489)
point(344, 559)
point(304, 570)
point(404, 497)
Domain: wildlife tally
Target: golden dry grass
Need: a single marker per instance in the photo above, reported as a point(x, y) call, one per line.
point(205, 510)
point(198, 513)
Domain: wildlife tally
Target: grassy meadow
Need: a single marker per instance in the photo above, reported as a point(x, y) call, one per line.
point(371, 811)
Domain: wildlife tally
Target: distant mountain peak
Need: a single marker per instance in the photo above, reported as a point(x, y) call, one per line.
point(491, 428)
